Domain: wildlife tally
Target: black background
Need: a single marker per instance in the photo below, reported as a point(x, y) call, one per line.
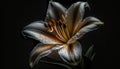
point(17, 14)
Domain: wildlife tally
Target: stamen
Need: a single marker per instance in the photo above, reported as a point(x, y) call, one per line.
point(64, 26)
point(59, 33)
point(67, 32)
point(64, 20)
point(57, 30)
point(62, 30)
point(50, 27)
point(60, 38)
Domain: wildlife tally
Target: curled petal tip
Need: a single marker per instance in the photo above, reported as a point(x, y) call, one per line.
point(100, 23)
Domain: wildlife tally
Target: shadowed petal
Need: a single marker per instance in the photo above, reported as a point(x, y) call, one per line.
point(55, 11)
point(41, 50)
point(71, 53)
point(75, 14)
point(89, 24)
point(38, 31)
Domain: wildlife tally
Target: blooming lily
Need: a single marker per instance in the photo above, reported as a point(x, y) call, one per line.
point(60, 31)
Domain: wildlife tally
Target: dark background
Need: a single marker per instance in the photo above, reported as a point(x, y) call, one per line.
point(17, 14)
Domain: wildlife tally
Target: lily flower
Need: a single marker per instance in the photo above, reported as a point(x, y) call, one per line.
point(60, 31)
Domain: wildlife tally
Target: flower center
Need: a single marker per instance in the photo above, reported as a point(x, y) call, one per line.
point(60, 28)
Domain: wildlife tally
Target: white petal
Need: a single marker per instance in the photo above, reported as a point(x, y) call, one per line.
point(40, 51)
point(79, 15)
point(39, 32)
point(71, 54)
point(75, 15)
point(90, 24)
point(76, 11)
point(55, 11)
